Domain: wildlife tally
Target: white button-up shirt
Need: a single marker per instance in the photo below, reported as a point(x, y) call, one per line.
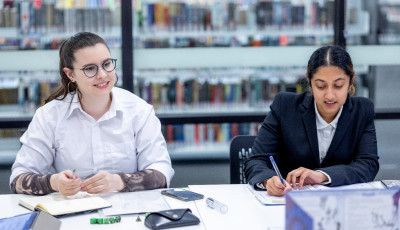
point(325, 133)
point(61, 136)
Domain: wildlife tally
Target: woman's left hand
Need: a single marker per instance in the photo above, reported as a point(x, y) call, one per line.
point(304, 176)
point(103, 182)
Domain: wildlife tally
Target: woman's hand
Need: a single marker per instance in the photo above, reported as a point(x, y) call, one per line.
point(275, 187)
point(103, 182)
point(304, 176)
point(65, 183)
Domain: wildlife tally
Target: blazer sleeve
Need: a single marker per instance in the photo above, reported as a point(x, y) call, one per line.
point(258, 167)
point(365, 165)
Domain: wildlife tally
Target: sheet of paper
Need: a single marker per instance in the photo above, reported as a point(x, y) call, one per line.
point(391, 183)
point(264, 198)
point(134, 202)
point(355, 186)
point(315, 187)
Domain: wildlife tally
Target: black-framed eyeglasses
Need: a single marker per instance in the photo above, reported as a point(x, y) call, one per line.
point(92, 69)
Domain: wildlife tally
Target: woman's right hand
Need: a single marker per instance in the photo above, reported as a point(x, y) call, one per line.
point(275, 187)
point(65, 183)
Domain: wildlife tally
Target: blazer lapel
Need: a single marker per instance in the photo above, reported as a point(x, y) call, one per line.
point(341, 128)
point(311, 127)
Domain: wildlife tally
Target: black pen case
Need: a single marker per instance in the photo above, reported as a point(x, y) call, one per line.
point(171, 219)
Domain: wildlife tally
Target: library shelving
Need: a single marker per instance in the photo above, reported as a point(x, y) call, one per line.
point(389, 22)
point(190, 41)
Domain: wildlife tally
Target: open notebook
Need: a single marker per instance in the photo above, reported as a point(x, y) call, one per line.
point(57, 204)
point(268, 200)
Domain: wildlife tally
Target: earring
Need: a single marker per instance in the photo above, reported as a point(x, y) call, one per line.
point(68, 88)
point(116, 76)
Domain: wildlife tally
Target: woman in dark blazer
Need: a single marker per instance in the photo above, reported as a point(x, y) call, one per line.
point(324, 136)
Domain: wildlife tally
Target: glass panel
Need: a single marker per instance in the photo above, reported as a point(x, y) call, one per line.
point(208, 140)
point(223, 57)
point(31, 33)
point(378, 48)
point(178, 24)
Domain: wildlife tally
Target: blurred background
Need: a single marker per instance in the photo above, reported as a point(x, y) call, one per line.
point(210, 68)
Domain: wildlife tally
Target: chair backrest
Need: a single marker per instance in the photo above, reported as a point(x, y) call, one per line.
point(239, 151)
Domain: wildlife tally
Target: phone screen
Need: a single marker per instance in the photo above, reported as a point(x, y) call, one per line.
point(182, 194)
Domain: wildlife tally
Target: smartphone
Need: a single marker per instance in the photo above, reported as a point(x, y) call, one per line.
point(182, 194)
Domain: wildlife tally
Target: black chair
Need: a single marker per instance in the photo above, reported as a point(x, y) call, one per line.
point(239, 152)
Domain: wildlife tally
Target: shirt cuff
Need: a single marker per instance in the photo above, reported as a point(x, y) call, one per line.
point(329, 178)
point(260, 185)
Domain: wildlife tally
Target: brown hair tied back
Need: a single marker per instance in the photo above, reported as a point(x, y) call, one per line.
point(67, 50)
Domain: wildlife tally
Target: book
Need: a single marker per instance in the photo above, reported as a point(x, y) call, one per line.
point(57, 204)
point(391, 183)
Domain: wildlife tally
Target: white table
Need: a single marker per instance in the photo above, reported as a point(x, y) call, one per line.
point(244, 211)
point(10, 207)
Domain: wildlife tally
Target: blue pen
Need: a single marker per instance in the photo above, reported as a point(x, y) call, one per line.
point(276, 169)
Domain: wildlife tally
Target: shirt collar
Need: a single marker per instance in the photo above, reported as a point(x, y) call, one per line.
point(73, 99)
point(321, 123)
point(115, 107)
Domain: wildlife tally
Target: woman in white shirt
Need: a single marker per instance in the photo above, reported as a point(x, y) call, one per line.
point(91, 136)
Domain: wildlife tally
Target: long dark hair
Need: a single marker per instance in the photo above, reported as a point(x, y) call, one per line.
point(331, 56)
point(67, 50)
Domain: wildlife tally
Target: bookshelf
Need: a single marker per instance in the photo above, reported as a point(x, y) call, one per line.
point(389, 30)
point(238, 40)
point(163, 47)
point(30, 35)
point(8, 148)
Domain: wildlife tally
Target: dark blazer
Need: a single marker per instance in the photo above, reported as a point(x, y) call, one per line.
point(290, 132)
